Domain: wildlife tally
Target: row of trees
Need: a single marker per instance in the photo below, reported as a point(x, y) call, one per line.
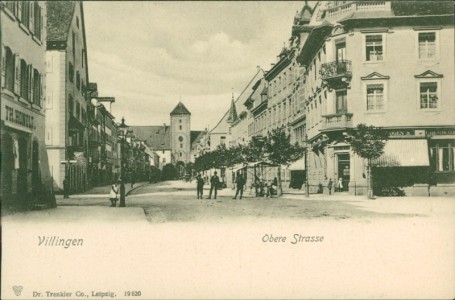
point(275, 148)
point(366, 141)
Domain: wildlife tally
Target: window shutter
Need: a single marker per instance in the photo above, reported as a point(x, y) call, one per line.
point(17, 74)
point(31, 24)
point(42, 88)
point(19, 10)
point(3, 66)
point(30, 84)
point(41, 18)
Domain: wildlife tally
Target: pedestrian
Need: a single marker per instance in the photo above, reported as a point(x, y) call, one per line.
point(240, 183)
point(329, 186)
point(66, 187)
point(274, 187)
point(340, 185)
point(113, 196)
point(214, 182)
point(199, 186)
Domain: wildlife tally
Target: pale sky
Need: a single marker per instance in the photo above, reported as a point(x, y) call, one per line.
point(149, 54)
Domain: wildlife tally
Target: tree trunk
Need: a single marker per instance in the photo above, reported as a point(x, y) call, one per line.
point(279, 187)
point(369, 179)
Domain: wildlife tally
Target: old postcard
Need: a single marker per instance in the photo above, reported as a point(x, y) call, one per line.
point(227, 150)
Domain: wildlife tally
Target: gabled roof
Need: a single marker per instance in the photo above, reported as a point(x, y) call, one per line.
point(59, 17)
point(156, 137)
point(180, 109)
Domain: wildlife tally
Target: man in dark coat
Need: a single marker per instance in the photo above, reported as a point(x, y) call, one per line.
point(66, 188)
point(214, 182)
point(199, 186)
point(240, 183)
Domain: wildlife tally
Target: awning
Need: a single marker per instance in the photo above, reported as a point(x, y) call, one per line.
point(404, 153)
point(237, 167)
point(297, 165)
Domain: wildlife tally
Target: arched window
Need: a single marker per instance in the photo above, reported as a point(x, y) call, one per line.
point(9, 69)
point(71, 71)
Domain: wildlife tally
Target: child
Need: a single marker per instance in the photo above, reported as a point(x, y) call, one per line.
point(113, 194)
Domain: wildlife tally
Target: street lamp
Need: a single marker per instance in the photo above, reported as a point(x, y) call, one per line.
point(122, 135)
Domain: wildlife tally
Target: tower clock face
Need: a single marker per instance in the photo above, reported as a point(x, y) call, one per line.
point(180, 139)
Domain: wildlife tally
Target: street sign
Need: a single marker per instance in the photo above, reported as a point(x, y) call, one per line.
point(68, 161)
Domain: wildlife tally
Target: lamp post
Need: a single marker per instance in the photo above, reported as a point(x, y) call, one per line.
point(122, 135)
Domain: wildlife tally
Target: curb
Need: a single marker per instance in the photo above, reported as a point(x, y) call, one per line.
point(127, 193)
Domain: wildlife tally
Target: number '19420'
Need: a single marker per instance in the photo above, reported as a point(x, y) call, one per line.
point(132, 293)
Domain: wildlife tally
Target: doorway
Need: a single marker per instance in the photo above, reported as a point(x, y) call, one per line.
point(344, 168)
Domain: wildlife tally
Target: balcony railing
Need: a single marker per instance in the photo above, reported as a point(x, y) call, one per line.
point(336, 69)
point(337, 121)
point(340, 11)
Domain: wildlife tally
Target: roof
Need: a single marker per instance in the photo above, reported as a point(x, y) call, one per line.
point(222, 127)
point(196, 136)
point(180, 109)
point(155, 137)
point(232, 117)
point(59, 17)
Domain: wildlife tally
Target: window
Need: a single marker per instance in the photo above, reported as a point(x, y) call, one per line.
point(77, 22)
point(78, 110)
point(427, 45)
point(37, 17)
point(428, 95)
point(180, 139)
point(180, 120)
point(74, 47)
point(78, 80)
point(180, 127)
point(82, 57)
point(36, 87)
point(375, 97)
point(24, 80)
point(223, 140)
point(442, 155)
point(374, 47)
point(180, 154)
point(70, 104)
point(341, 102)
point(8, 69)
point(181, 145)
point(25, 17)
point(70, 72)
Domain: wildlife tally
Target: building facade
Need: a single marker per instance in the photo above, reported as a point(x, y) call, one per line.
point(26, 181)
point(66, 81)
point(351, 77)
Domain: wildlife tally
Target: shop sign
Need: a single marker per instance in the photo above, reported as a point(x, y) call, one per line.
point(448, 131)
point(401, 133)
point(18, 118)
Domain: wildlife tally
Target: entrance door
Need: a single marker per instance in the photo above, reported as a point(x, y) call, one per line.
point(7, 167)
point(22, 186)
point(344, 170)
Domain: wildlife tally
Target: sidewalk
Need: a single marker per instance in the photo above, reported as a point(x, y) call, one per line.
point(102, 191)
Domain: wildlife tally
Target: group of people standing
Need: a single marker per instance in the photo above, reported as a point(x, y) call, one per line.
point(338, 186)
point(214, 184)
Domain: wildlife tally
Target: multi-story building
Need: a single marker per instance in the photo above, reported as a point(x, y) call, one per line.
point(387, 64)
point(66, 81)
point(25, 176)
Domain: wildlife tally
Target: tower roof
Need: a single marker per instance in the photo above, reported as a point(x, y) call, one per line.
point(232, 117)
point(180, 109)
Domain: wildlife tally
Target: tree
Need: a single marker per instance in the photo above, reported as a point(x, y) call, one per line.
point(367, 142)
point(169, 172)
point(280, 151)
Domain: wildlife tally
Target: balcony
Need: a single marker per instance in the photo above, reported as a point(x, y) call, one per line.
point(337, 121)
point(336, 73)
point(343, 10)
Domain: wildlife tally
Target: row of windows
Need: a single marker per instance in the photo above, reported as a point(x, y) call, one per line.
point(29, 14)
point(21, 78)
point(80, 84)
point(428, 93)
